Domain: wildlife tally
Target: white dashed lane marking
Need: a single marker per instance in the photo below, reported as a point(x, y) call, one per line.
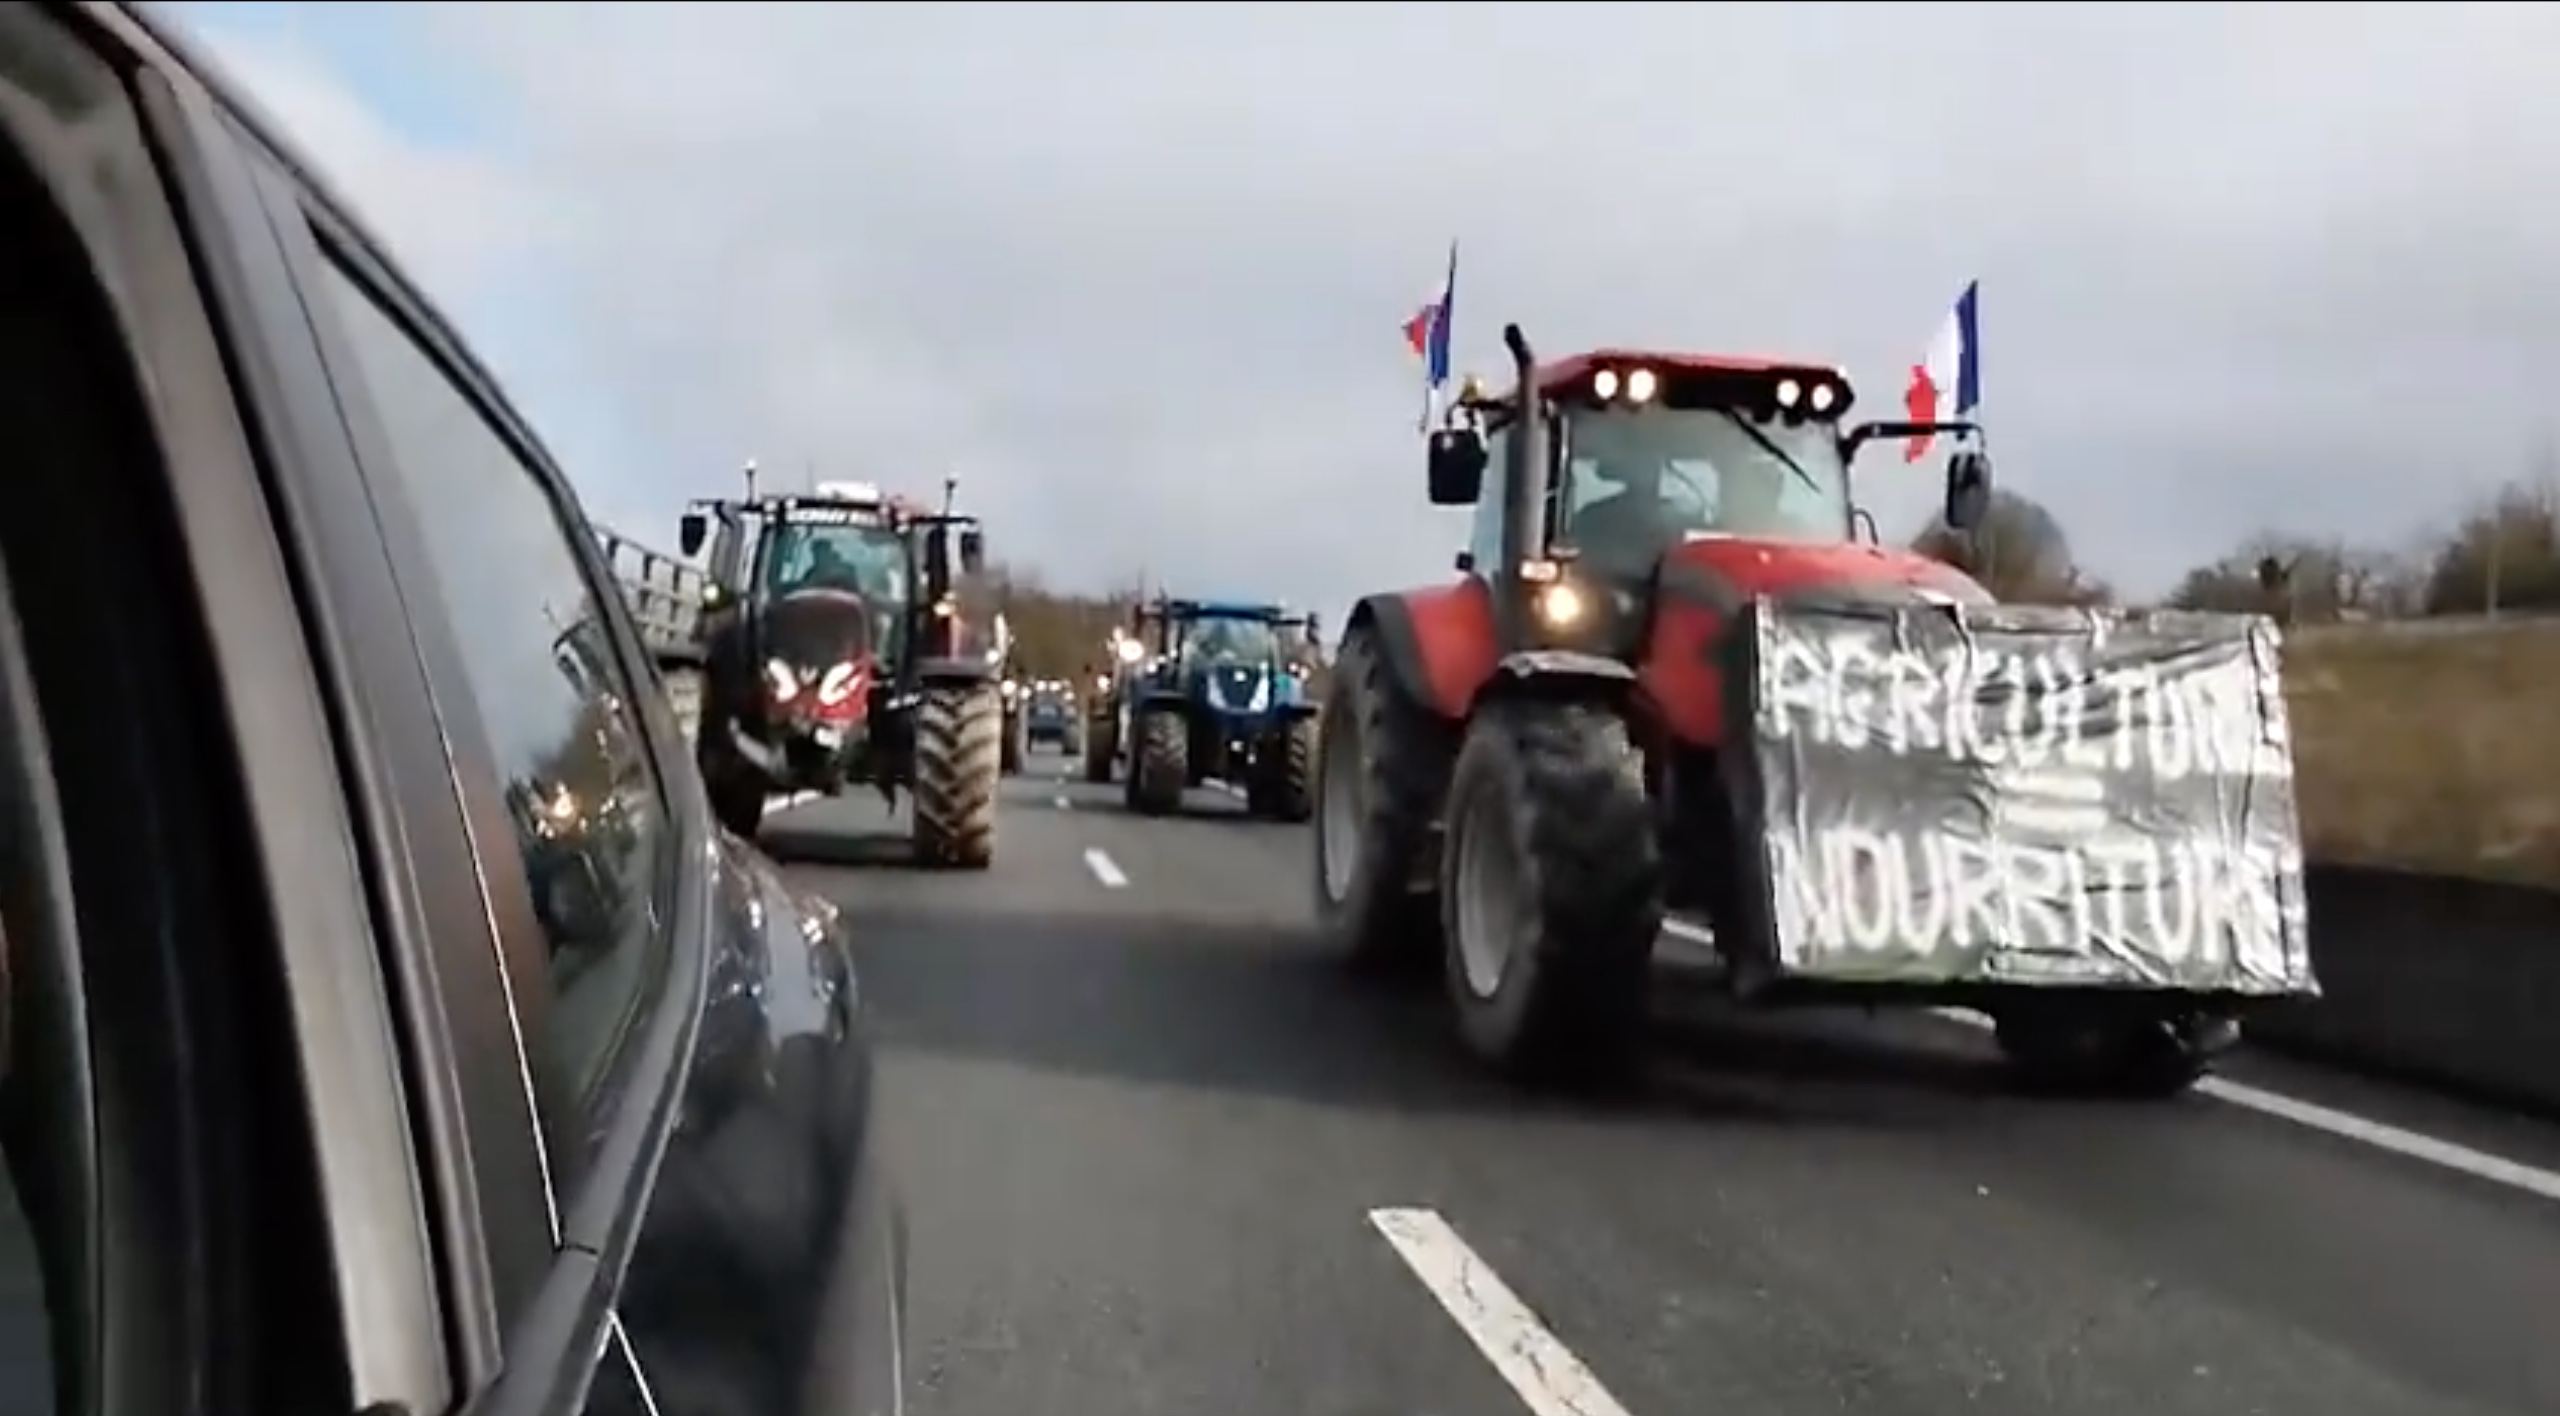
point(1549, 1379)
point(1105, 869)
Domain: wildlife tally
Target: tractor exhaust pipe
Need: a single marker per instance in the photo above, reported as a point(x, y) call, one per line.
point(1524, 461)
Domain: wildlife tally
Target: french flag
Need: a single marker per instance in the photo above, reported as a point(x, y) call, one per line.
point(1946, 385)
point(1428, 335)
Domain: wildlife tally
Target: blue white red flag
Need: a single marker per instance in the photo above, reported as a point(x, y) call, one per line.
point(1946, 385)
point(1427, 333)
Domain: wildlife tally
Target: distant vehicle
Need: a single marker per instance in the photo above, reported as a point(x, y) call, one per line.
point(387, 1014)
point(839, 653)
point(1671, 675)
point(1213, 690)
point(1051, 716)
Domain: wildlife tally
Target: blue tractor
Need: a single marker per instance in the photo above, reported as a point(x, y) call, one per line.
point(1211, 690)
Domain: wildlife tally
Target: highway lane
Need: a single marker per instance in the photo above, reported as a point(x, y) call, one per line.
point(1145, 1126)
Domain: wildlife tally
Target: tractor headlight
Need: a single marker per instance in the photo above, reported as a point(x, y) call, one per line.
point(782, 679)
point(1560, 605)
point(1131, 651)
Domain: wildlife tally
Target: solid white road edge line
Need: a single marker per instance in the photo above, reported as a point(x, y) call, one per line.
point(1105, 869)
point(2381, 1135)
point(1550, 1380)
point(788, 800)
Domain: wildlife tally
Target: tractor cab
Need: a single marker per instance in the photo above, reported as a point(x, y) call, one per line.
point(1615, 460)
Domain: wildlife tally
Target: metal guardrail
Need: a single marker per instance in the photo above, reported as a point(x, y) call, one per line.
point(665, 592)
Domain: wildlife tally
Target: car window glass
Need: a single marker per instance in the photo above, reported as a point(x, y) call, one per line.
point(589, 821)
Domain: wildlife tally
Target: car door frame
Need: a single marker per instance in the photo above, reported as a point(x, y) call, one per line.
point(246, 200)
point(566, 1326)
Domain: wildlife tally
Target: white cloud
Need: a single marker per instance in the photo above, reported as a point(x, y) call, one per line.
point(1134, 270)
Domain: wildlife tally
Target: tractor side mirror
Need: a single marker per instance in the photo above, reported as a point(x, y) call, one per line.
point(1968, 490)
point(691, 531)
point(1457, 467)
point(1315, 628)
point(973, 550)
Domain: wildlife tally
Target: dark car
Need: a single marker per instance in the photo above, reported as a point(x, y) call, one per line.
point(1051, 717)
point(388, 1028)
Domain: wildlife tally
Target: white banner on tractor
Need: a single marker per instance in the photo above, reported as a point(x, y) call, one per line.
point(2020, 795)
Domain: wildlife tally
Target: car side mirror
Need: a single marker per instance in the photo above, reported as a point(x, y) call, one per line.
point(691, 531)
point(1457, 461)
point(973, 550)
point(1968, 490)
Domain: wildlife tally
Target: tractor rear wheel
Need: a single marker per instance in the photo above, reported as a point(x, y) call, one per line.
point(1160, 768)
point(737, 802)
point(1551, 890)
point(1101, 742)
point(958, 765)
point(1017, 742)
point(1380, 763)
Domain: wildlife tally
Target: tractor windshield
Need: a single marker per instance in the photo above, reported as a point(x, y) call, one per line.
point(1637, 481)
point(871, 561)
point(1229, 639)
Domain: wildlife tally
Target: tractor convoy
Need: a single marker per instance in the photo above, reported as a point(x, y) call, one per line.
point(840, 646)
point(1677, 684)
point(1207, 691)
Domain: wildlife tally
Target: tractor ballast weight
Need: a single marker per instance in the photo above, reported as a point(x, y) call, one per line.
point(1215, 693)
point(1672, 677)
point(880, 676)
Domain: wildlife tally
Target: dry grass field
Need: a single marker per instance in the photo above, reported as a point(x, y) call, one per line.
point(2430, 746)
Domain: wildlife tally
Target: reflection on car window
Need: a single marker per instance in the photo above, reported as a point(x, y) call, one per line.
point(559, 715)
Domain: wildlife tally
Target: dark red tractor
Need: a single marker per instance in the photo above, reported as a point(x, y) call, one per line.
point(1678, 682)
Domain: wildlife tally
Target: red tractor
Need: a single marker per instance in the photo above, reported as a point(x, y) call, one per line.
point(1674, 682)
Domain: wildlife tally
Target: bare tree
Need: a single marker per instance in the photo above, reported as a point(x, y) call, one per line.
point(2018, 552)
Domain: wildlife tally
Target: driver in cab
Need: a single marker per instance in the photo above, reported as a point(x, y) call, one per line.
point(1218, 639)
point(1621, 522)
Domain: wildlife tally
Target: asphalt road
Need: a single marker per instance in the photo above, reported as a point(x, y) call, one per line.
point(1161, 1155)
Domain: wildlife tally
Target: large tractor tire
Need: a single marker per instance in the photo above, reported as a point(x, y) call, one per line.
point(1551, 892)
point(1381, 763)
point(737, 801)
point(1160, 764)
point(1017, 742)
point(959, 751)
point(2074, 1047)
point(1101, 744)
point(1284, 778)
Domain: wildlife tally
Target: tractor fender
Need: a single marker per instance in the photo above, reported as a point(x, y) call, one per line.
point(1157, 698)
point(1438, 643)
point(1558, 673)
point(1289, 713)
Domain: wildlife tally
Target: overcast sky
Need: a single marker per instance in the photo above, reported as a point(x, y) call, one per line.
point(1135, 272)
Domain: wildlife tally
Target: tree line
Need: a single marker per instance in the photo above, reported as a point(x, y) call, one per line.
point(2501, 556)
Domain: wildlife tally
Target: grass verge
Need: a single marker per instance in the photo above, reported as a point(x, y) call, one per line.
point(2430, 748)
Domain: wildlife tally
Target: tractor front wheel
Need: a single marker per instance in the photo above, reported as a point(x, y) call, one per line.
point(1380, 762)
point(1551, 892)
point(1286, 772)
point(1160, 769)
point(959, 730)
